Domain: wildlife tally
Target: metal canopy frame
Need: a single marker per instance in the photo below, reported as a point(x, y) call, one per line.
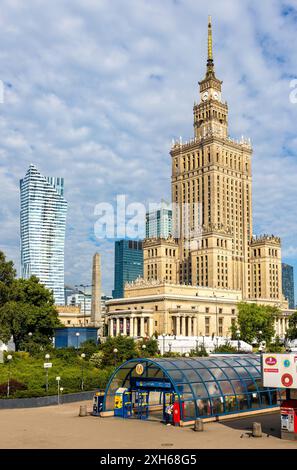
point(210, 386)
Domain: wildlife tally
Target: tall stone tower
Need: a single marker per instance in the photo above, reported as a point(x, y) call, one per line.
point(213, 172)
point(96, 292)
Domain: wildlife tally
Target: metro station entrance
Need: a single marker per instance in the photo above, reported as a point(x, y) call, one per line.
point(145, 399)
point(148, 404)
point(149, 398)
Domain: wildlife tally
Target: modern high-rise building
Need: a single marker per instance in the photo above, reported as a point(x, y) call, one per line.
point(158, 223)
point(128, 264)
point(288, 284)
point(194, 280)
point(43, 223)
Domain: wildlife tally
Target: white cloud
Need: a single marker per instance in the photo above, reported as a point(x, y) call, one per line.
point(95, 90)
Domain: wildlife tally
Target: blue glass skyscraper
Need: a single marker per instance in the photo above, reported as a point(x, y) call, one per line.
point(128, 264)
point(43, 223)
point(288, 283)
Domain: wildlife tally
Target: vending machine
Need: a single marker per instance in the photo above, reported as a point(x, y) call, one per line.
point(98, 402)
point(288, 410)
point(122, 403)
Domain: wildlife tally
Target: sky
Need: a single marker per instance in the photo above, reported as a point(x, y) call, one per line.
point(95, 91)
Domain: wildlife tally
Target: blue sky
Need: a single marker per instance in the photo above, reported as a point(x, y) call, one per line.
point(95, 90)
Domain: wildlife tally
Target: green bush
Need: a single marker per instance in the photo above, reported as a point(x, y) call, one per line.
point(14, 386)
point(226, 348)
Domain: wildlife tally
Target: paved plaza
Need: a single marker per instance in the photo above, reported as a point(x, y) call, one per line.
point(60, 427)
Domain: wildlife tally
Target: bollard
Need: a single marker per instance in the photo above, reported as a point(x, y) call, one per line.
point(83, 410)
point(257, 430)
point(198, 426)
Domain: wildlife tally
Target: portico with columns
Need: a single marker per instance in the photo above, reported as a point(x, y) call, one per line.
point(133, 324)
point(184, 323)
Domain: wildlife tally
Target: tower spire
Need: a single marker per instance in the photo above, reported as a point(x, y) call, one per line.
point(210, 64)
point(209, 43)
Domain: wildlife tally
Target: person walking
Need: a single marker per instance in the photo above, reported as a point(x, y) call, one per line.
point(168, 414)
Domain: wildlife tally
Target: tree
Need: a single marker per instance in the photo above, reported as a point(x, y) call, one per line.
point(253, 319)
point(150, 349)
point(26, 306)
point(7, 276)
point(292, 330)
point(125, 346)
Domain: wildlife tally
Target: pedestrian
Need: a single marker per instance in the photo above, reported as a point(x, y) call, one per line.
point(168, 414)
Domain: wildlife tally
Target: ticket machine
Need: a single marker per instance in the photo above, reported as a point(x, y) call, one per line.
point(289, 419)
point(122, 403)
point(98, 402)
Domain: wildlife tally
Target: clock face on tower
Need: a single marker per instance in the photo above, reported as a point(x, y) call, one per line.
point(205, 96)
point(216, 95)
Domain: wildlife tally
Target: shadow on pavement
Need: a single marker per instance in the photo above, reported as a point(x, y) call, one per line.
point(270, 424)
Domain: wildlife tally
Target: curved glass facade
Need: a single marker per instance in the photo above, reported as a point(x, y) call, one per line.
point(205, 387)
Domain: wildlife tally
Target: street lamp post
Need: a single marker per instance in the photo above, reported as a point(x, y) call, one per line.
point(238, 340)
point(84, 286)
point(216, 301)
point(82, 370)
point(47, 357)
point(115, 351)
point(77, 334)
point(58, 382)
point(143, 347)
point(170, 346)
point(164, 336)
point(9, 357)
point(30, 334)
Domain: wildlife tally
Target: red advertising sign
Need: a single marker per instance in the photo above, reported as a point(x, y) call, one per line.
point(270, 361)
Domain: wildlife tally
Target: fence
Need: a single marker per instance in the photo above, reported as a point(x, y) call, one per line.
point(44, 401)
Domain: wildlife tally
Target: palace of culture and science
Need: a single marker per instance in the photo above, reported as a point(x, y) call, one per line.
point(192, 283)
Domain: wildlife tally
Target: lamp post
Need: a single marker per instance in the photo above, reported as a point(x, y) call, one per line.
point(77, 334)
point(170, 346)
point(238, 340)
point(216, 301)
point(115, 351)
point(143, 347)
point(261, 346)
point(82, 370)
point(30, 334)
point(84, 286)
point(58, 382)
point(9, 357)
point(164, 336)
point(47, 357)
point(197, 345)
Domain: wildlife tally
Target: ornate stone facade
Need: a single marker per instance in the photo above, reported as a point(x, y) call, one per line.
point(215, 261)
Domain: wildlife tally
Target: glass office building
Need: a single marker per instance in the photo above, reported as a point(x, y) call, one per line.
point(288, 284)
point(202, 387)
point(43, 223)
point(128, 264)
point(158, 223)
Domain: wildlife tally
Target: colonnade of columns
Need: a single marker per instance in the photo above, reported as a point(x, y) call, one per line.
point(185, 325)
point(131, 326)
point(281, 326)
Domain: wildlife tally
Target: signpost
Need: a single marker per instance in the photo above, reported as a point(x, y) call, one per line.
point(47, 366)
point(279, 370)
